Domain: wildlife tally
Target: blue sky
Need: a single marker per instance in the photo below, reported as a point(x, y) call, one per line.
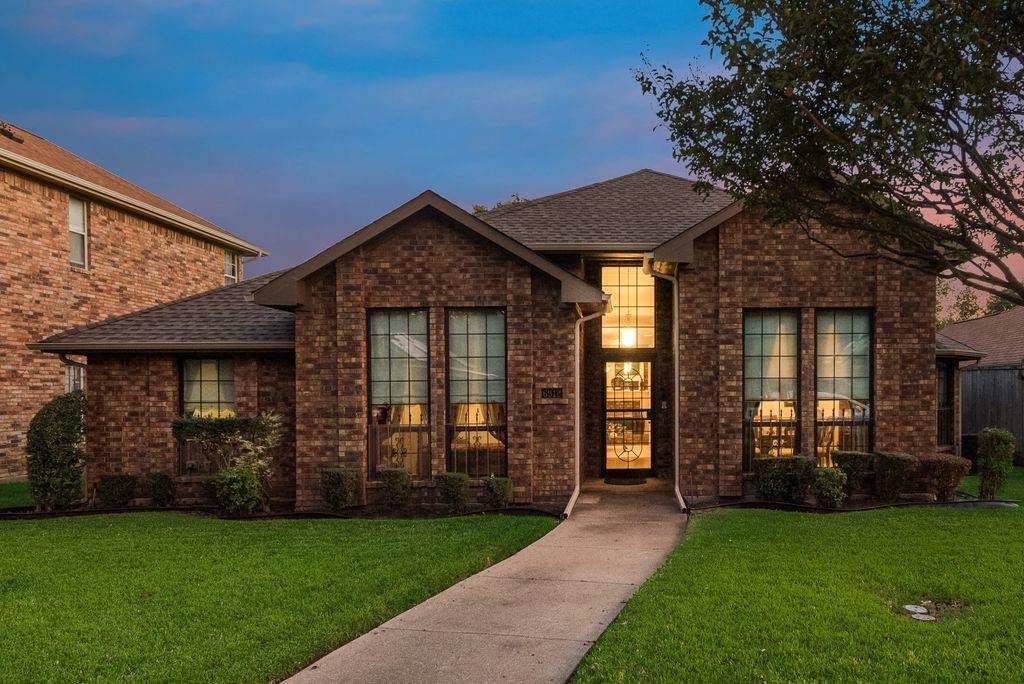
point(294, 123)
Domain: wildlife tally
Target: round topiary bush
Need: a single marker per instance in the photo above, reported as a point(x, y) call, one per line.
point(454, 490)
point(238, 490)
point(56, 457)
point(397, 488)
point(497, 491)
point(339, 488)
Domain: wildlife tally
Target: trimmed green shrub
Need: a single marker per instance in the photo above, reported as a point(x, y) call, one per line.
point(497, 491)
point(237, 490)
point(892, 472)
point(454, 490)
point(161, 489)
point(785, 478)
point(829, 487)
point(995, 460)
point(942, 474)
point(116, 490)
point(339, 488)
point(397, 488)
point(55, 454)
point(855, 465)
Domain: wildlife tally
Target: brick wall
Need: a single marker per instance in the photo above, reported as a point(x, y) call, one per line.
point(747, 264)
point(133, 264)
point(430, 262)
point(133, 399)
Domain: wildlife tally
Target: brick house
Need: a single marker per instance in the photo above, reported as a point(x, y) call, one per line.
point(79, 244)
point(626, 329)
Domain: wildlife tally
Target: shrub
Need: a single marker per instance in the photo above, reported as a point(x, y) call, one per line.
point(892, 471)
point(339, 488)
point(829, 487)
point(855, 465)
point(236, 443)
point(237, 490)
point(942, 474)
point(785, 478)
point(55, 454)
point(454, 490)
point(116, 490)
point(397, 488)
point(498, 491)
point(995, 460)
point(161, 489)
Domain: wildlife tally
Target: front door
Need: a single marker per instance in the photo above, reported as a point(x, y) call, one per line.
point(627, 413)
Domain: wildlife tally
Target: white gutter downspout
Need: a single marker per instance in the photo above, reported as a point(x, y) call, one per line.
point(579, 400)
point(649, 268)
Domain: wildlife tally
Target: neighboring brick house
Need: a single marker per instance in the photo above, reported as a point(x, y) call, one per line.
point(77, 245)
point(630, 328)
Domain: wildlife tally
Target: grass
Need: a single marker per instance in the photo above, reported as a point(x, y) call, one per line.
point(176, 597)
point(15, 495)
point(765, 595)
point(1013, 490)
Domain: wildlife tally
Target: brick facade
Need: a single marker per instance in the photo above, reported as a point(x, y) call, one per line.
point(747, 264)
point(133, 399)
point(133, 264)
point(430, 262)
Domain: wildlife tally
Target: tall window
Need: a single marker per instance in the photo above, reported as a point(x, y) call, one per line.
point(77, 232)
point(74, 378)
point(944, 391)
point(399, 431)
point(230, 268)
point(843, 411)
point(208, 388)
point(770, 384)
point(630, 323)
point(477, 415)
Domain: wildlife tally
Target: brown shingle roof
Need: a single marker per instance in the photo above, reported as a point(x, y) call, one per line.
point(638, 211)
point(41, 151)
point(948, 348)
point(1000, 336)
point(223, 318)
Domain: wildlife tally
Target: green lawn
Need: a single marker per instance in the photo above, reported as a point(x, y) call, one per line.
point(1012, 490)
point(753, 595)
point(14, 495)
point(175, 597)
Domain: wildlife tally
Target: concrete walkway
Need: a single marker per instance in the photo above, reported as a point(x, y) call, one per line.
point(531, 617)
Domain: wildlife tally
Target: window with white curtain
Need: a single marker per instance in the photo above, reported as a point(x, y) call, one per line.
point(78, 232)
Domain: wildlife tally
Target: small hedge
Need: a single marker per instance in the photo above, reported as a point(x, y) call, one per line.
point(892, 472)
point(497, 491)
point(55, 455)
point(829, 487)
point(995, 460)
point(339, 489)
point(116, 490)
point(786, 478)
point(942, 474)
point(454, 490)
point(161, 489)
point(237, 490)
point(855, 465)
point(397, 488)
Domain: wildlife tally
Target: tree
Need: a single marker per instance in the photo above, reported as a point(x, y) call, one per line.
point(516, 198)
point(998, 303)
point(899, 121)
point(966, 305)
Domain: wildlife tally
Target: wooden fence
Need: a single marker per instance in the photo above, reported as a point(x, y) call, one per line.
point(993, 396)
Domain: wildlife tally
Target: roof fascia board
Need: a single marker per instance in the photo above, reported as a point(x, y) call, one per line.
point(72, 348)
point(67, 180)
point(282, 292)
point(680, 248)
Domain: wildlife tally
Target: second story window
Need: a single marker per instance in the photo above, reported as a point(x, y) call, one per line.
point(230, 268)
point(78, 232)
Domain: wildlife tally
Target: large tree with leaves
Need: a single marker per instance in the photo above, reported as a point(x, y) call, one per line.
point(899, 121)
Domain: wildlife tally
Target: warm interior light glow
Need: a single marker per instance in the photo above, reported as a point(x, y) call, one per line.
point(627, 337)
point(627, 367)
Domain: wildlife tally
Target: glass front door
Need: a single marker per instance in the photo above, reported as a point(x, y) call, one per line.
point(627, 411)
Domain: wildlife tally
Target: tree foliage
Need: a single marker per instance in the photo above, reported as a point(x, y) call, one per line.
point(998, 303)
point(516, 198)
point(899, 121)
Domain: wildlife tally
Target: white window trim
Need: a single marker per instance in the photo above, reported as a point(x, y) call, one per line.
point(84, 232)
point(231, 278)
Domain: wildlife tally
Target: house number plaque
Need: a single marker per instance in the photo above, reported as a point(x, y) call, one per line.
point(550, 392)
